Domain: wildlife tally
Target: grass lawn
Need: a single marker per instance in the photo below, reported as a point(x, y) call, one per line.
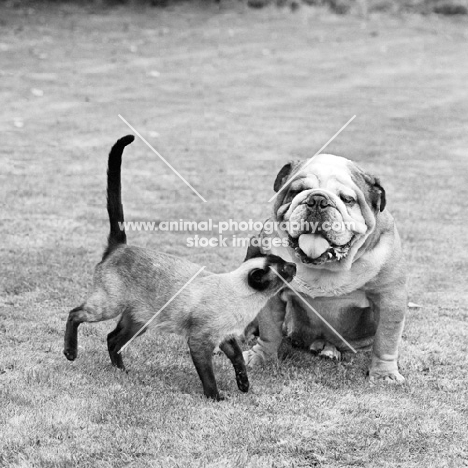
point(228, 95)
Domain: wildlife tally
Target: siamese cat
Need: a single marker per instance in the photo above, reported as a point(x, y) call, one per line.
point(136, 283)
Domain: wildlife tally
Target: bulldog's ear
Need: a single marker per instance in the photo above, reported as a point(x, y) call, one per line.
point(377, 194)
point(284, 174)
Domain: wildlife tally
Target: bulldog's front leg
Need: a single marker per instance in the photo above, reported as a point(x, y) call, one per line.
point(270, 323)
point(390, 309)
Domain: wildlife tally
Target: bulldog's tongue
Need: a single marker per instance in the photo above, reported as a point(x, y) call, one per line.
point(313, 245)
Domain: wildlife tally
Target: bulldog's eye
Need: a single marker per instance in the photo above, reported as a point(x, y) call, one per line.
point(347, 199)
point(292, 194)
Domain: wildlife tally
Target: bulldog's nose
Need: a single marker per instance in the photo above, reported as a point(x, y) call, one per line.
point(318, 201)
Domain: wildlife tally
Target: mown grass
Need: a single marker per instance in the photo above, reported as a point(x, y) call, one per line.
point(239, 93)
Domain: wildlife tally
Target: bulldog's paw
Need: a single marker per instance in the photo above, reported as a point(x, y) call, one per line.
point(326, 350)
point(317, 346)
point(390, 377)
point(384, 371)
point(330, 352)
point(252, 359)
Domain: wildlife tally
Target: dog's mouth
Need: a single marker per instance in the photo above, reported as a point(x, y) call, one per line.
point(330, 253)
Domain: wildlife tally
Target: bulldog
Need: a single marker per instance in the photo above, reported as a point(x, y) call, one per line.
point(330, 218)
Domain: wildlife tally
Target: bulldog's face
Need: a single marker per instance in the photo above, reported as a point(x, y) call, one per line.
point(328, 210)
